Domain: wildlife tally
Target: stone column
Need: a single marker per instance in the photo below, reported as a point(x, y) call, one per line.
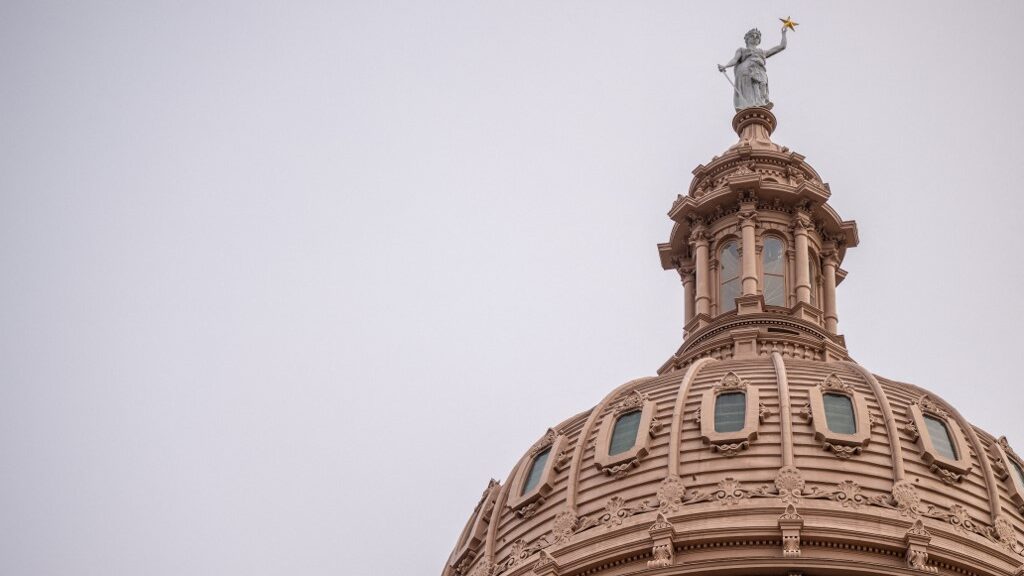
point(803, 270)
point(686, 275)
point(829, 264)
point(700, 246)
point(748, 221)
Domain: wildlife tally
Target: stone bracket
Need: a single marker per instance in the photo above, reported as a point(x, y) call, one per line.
point(917, 539)
point(663, 535)
point(545, 565)
point(790, 523)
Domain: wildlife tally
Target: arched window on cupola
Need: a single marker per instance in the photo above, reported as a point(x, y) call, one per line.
point(773, 265)
point(729, 268)
point(815, 278)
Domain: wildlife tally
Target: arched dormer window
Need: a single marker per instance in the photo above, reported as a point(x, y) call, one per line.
point(1010, 468)
point(839, 416)
point(730, 413)
point(729, 269)
point(540, 461)
point(815, 275)
point(535, 474)
point(624, 432)
point(941, 441)
point(624, 437)
point(773, 265)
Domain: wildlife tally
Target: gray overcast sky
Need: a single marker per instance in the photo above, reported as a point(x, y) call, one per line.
point(285, 283)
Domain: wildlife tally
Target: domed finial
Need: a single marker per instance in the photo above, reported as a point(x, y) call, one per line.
point(750, 89)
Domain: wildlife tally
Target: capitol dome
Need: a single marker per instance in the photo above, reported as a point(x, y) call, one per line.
point(760, 447)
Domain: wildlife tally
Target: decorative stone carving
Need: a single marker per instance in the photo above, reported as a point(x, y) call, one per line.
point(843, 452)
point(483, 568)
point(763, 412)
point(663, 549)
point(564, 526)
point(805, 412)
point(730, 383)
point(547, 440)
point(929, 405)
point(476, 529)
point(945, 475)
point(833, 383)
point(791, 522)
point(662, 556)
point(730, 450)
point(545, 565)
point(907, 500)
point(632, 401)
point(917, 539)
point(1005, 533)
point(789, 482)
point(670, 494)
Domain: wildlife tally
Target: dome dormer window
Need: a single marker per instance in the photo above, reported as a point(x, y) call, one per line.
point(839, 413)
point(730, 412)
point(1009, 468)
point(942, 440)
point(535, 474)
point(624, 433)
point(773, 264)
point(536, 469)
point(840, 417)
point(729, 269)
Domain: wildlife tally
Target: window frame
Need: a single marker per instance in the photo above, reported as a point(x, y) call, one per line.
point(948, 469)
point(620, 464)
point(1015, 485)
point(730, 443)
point(722, 245)
point(475, 531)
point(521, 502)
point(842, 445)
point(785, 268)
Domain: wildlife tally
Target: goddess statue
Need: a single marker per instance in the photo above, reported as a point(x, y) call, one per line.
point(751, 86)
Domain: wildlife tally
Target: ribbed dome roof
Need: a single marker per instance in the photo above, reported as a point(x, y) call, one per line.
point(722, 506)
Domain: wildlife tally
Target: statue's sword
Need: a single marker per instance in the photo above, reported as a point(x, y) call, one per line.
point(729, 80)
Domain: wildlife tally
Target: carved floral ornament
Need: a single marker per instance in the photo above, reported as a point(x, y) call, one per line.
point(789, 488)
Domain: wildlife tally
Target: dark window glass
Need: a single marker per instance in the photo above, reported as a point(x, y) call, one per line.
point(773, 263)
point(839, 414)
point(624, 433)
point(729, 266)
point(1019, 470)
point(730, 412)
point(536, 469)
point(942, 440)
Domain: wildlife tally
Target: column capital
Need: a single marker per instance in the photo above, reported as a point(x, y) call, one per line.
point(748, 218)
point(801, 224)
point(698, 236)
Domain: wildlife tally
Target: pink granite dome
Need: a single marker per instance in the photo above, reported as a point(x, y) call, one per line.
point(905, 486)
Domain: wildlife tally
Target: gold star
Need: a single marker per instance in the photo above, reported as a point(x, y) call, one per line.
point(787, 22)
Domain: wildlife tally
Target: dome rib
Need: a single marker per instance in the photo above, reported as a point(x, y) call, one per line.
point(899, 473)
point(785, 408)
point(675, 436)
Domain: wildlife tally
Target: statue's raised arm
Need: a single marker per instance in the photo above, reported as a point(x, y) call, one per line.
point(751, 86)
